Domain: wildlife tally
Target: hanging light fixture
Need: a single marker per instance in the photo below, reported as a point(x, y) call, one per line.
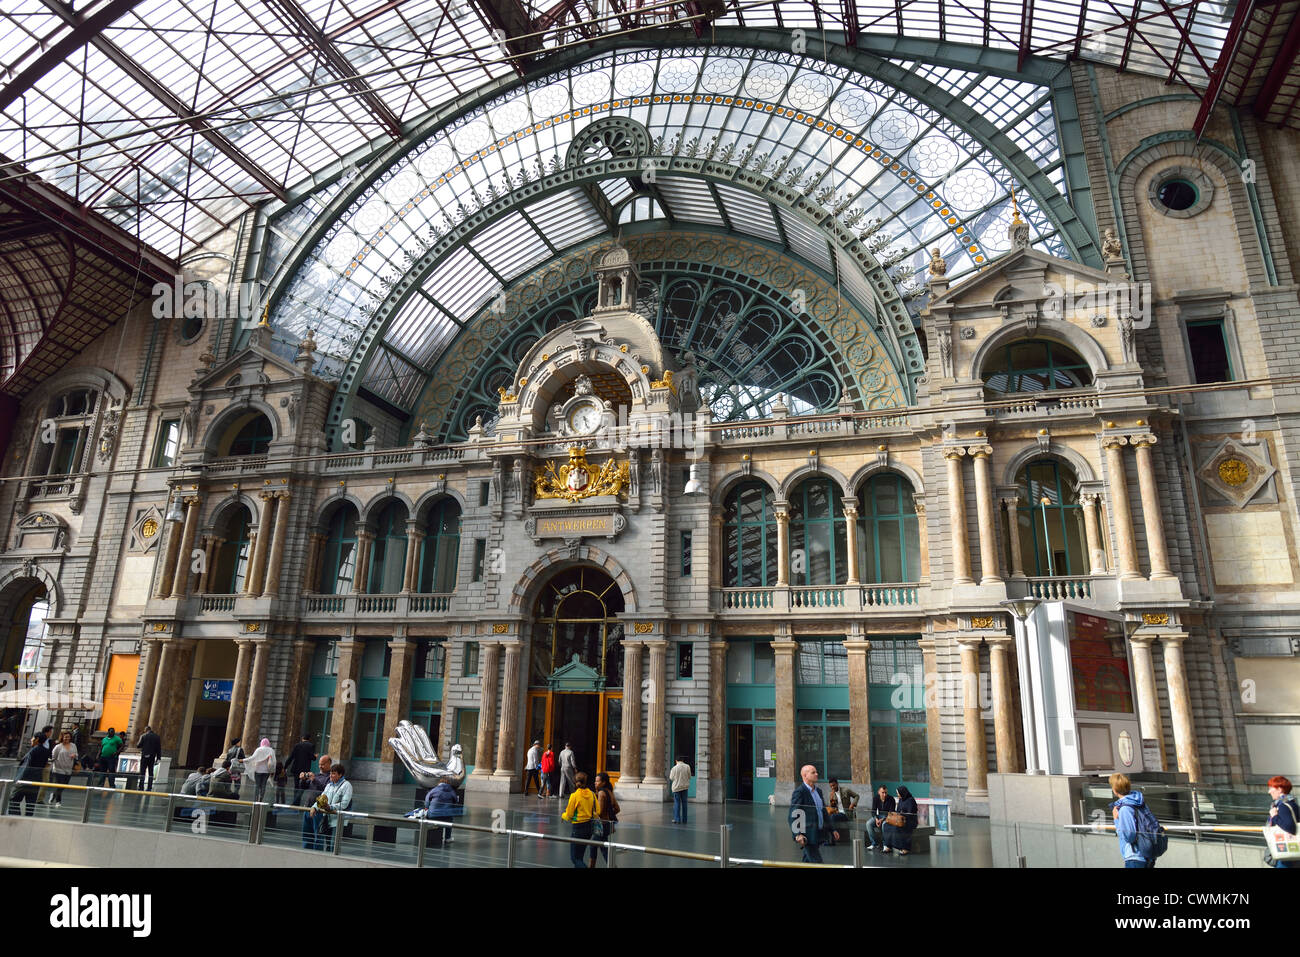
point(174, 511)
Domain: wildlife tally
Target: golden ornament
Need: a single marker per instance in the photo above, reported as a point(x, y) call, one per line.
point(1234, 472)
point(578, 479)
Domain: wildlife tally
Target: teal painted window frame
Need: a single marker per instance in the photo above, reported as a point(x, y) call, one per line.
point(690, 661)
point(808, 522)
point(480, 558)
point(1221, 325)
point(388, 551)
point(1070, 365)
point(1064, 515)
point(235, 550)
point(469, 660)
point(686, 552)
point(745, 562)
point(169, 435)
point(871, 521)
point(340, 553)
point(440, 550)
point(254, 438)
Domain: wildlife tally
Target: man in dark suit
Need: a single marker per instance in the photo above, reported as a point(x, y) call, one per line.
point(150, 754)
point(299, 765)
point(809, 816)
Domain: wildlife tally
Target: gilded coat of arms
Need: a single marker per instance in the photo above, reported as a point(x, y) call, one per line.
point(579, 479)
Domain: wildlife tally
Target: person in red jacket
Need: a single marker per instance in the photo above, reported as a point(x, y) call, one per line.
point(548, 773)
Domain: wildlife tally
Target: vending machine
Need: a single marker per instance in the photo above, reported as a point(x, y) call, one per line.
point(1086, 720)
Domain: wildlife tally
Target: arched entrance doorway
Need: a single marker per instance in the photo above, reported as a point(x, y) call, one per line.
point(576, 668)
point(24, 606)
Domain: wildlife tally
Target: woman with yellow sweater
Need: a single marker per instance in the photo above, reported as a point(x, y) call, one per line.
point(580, 812)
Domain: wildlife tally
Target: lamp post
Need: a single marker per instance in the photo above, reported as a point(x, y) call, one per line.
point(1021, 609)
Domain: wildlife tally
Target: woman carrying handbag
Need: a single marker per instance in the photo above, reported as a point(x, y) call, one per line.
point(900, 823)
point(606, 816)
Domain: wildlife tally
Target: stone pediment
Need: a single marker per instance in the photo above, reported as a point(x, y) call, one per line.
point(44, 531)
point(1018, 276)
point(575, 676)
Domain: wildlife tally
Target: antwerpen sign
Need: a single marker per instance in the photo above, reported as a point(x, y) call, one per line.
point(572, 525)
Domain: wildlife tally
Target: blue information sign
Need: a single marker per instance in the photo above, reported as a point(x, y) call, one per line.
point(218, 689)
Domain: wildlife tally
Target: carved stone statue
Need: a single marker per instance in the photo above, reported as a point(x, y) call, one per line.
point(657, 471)
point(633, 474)
point(945, 351)
point(938, 268)
point(1110, 245)
point(412, 745)
point(1126, 337)
point(582, 385)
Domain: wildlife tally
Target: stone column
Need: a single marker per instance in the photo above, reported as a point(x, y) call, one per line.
point(782, 545)
point(631, 743)
point(257, 566)
point(344, 718)
point(509, 733)
point(922, 534)
point(295, 702)
point(414, 539)
point(175, 530)
point(1117, 482)
point(1148, 704)
point(1013, 536)
point(977, 762)
point(399, 693)
point(172, 688)
point(990, 574)
point(933, 721)
point(239, 692)
point(1091, 531)
point(851, 526)
point(1004, 721)
point(150, 648)
point(658, 718)
point(272, 588)
point(717, 718)
point(961, 573)
point(715, 565)
point(859, 711)
point(786, 772)
point(311, 573)
point(162, 679)
point(256, 692)
point(181, 583)
point(211, 549)
point(359, 584)
point(489, 667)
point(1180, 707)
point(1150, 493)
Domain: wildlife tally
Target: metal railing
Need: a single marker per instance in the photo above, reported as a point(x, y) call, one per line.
point(261, 824)
point(801, 597)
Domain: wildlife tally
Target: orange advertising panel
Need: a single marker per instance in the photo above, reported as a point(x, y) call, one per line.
point(119, 689)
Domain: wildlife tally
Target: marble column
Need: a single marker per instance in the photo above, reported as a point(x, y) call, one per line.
point(859, 712)
point(782, 545)
point(172, 691)
point(1092, 534)
point(272, 587)
point(1180, 707)
point(508, 735)
point(933, 720)
point(344, 719)
point(398, 704)
point(922, 534)
point(786, 772)
point(184, 560)
point(1013, 536)
point(360, 585)
point(150, 648)
point(851, 527)
point(211, 549)
point(631, 743)
point(1004, 720)
point(961, 571)
point(257, 567)
point(256, 693)
point(990, 574)
point(175, 531)
point(295, 702)
point(1151, 520)
point(414, 539)
point(977, 761)
point(239, 692)
point(1148, 703)
point(1117, 483)
point(311, 571)
point(717, 719)
point(489, 668)
point(657, 720)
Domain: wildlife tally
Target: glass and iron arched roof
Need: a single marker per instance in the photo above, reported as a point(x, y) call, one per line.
point(175, 118)
point(886, 167)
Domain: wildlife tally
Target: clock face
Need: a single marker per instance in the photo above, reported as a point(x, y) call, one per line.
point(584, 419)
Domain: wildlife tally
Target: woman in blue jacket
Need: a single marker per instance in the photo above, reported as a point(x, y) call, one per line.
point(1283, 813)
point(900, 838)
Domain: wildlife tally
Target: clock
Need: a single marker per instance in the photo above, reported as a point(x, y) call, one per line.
point(583, 418)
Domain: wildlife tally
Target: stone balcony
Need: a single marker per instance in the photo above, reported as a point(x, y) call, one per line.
point(321, 608)
point(893, 599)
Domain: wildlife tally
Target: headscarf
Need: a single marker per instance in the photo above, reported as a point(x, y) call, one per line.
point(903, 793)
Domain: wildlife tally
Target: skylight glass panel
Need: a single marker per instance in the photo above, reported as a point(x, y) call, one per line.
point(510, 246)
point(689, 200)
point(748, 213)
point(565, 219)
point(806, 241)
point(460, 282)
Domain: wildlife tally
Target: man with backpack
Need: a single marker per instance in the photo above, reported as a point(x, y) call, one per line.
point(1141, 838)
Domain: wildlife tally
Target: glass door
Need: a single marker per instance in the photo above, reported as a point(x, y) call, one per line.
point(683, 745)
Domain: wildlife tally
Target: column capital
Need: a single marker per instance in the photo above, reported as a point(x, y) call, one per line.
point(971, 642)
point(282, 494)
point(857, 646)
point(300, 643)
point(1171, 637)
point(655, 644)
point(781, 513)
point(1115, 441)
point(954, 454)
point(401, 643)
point(785, 646)
point(266, 495)
point(1011, 502)
point(632, 642)
point(850, 506)
point(1089, 498)
point(918, 501)
point(979, 451)
point(1140, 640)
point(1001, 642)
point(1143, 439)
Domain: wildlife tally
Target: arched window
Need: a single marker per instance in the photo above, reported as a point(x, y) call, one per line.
point(748, 537)
point(1051, 526)
point(339, 565)
point(440, 548)
point(61, 451)
point(819, 549)
point(577, 614)
point(250, 434)
point(232, 558)
point(889, 545)
point(1034, 365)
point(388, 551)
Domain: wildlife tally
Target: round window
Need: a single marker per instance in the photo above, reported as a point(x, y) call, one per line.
point(1177, 194)
point(191, 328)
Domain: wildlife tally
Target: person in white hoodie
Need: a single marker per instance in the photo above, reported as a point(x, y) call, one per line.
point(260, 764)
